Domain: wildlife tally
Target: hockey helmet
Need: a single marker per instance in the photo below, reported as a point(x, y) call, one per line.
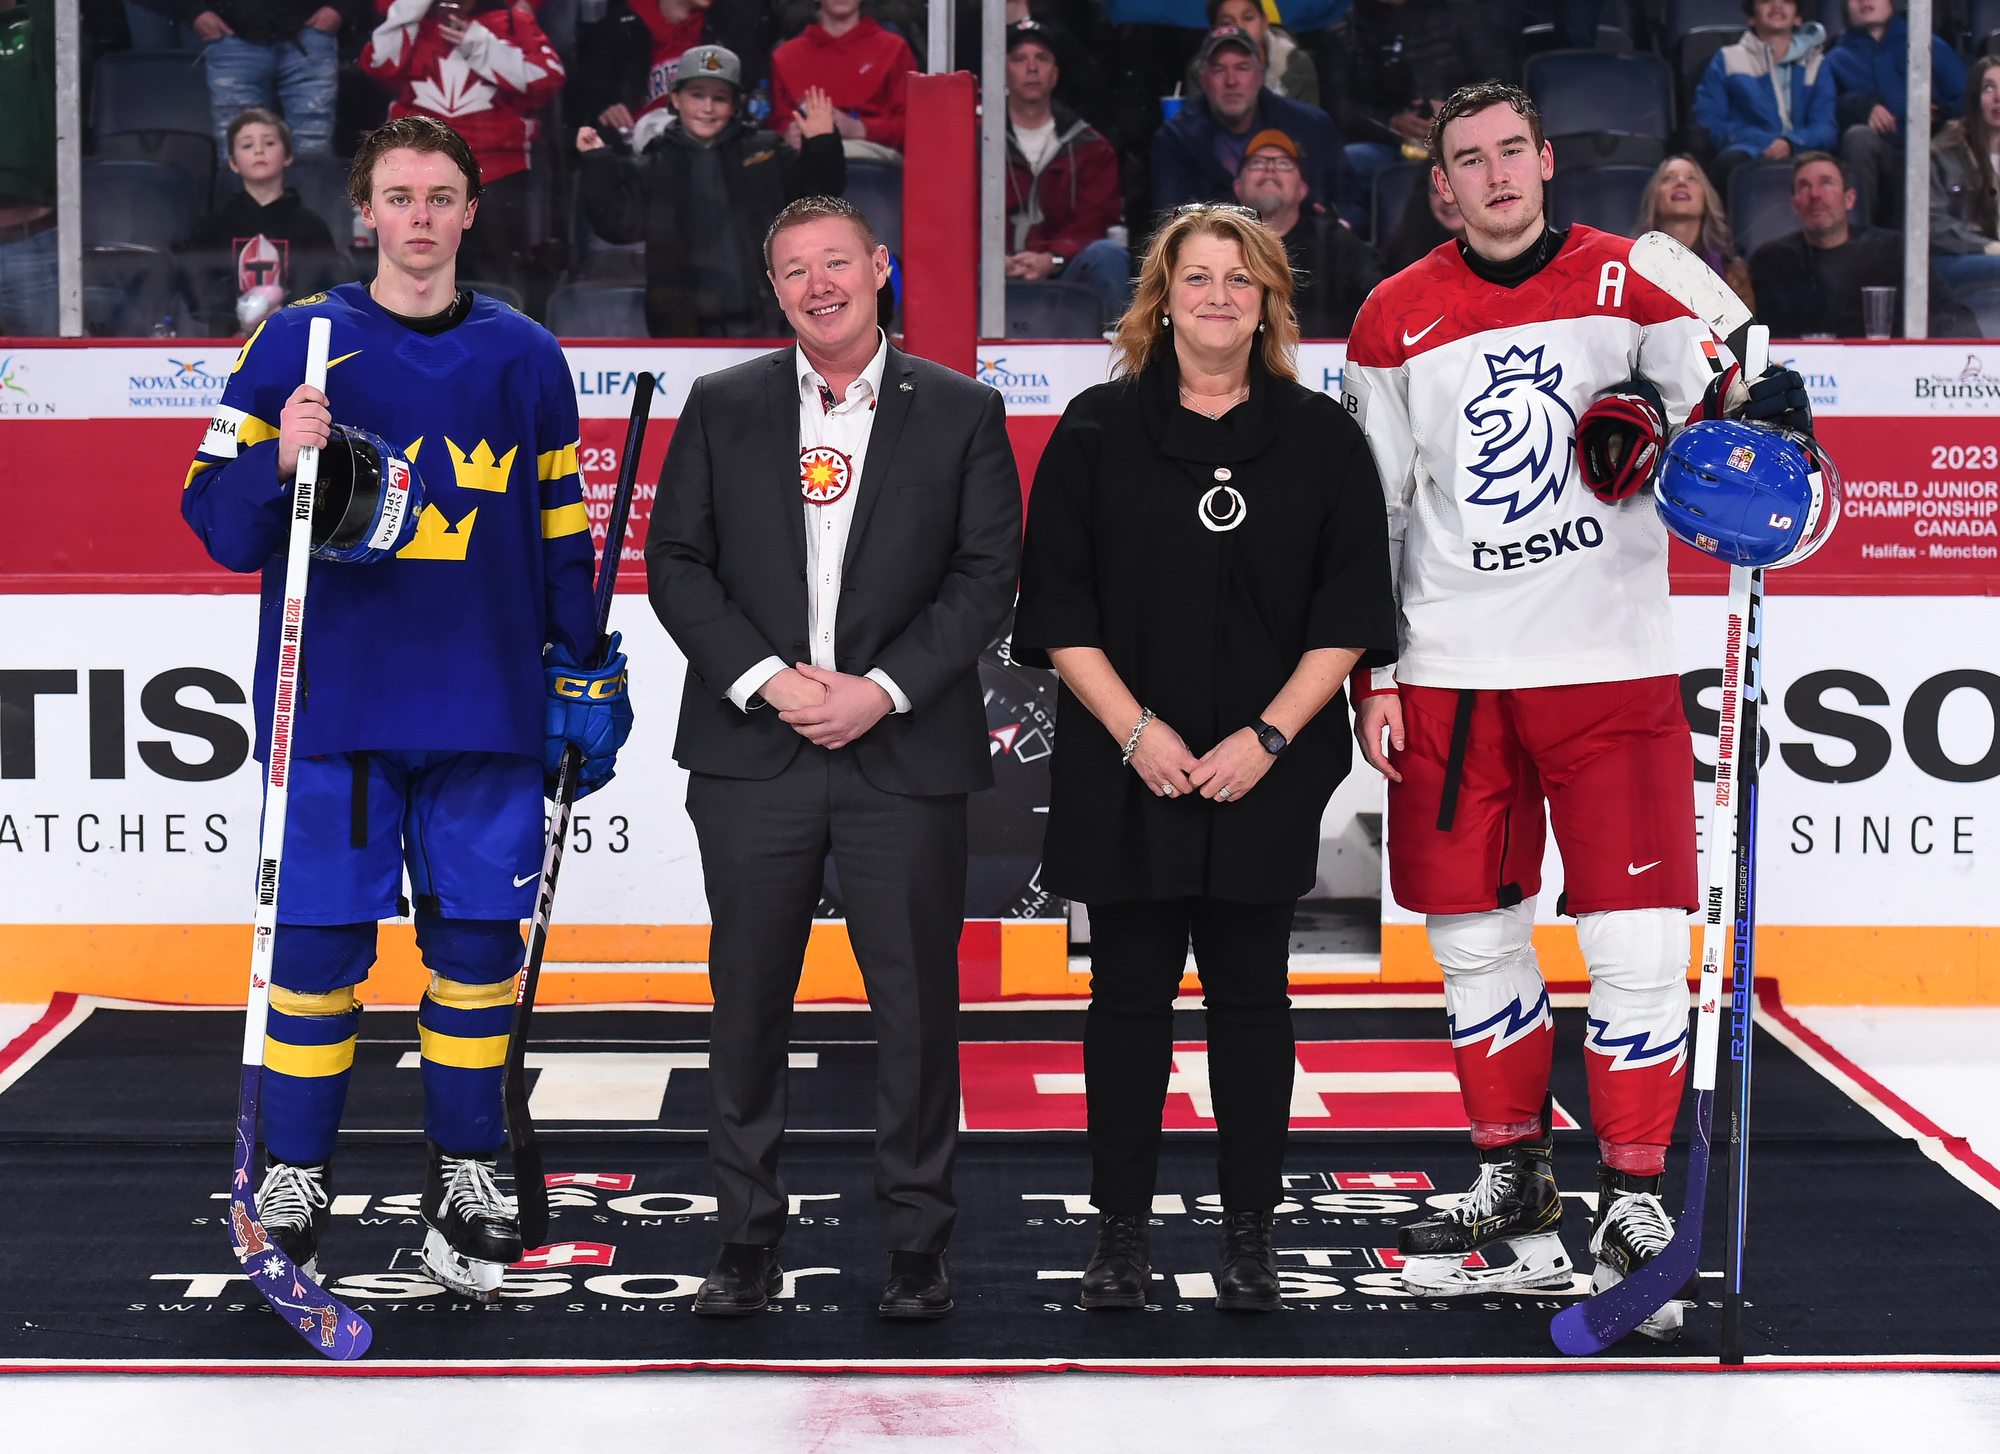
point(368, 499)
point(1748, 495)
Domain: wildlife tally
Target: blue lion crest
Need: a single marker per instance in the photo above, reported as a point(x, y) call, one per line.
point(1524, 431)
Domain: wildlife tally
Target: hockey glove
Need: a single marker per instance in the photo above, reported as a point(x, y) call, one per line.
point(588, 707)
point(1618, 440)
point(1779, 398)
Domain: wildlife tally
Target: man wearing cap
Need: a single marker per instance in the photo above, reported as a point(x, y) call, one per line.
point(1062, 179)
point(700, 194)
point(1332, 269)
point(1197, 154)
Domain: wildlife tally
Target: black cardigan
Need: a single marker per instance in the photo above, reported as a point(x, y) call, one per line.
point(1204, 626)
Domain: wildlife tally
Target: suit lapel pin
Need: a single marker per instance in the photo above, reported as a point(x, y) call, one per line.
point(907, 388)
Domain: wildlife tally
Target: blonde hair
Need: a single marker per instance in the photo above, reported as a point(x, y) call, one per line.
point(1143, 338)
point(1715, 234)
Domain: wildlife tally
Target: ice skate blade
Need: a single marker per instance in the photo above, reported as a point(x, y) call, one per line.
point(465, 1275)
point(1540, 1265)
point(1664, 1326)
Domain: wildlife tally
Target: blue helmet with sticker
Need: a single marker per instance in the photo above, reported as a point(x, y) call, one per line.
point(368, 498)
point(1748, 495)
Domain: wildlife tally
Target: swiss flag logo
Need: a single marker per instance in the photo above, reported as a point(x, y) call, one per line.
point(607, 1180)
point(570, 1254)
point(1382, 1181)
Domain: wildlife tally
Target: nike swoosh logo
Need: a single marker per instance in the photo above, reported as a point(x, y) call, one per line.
point(346, 356)
point(1410, 338)
point(1635, 872)
point(537, 874)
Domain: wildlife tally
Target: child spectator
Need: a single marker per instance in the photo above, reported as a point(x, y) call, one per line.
point(486, 69)
point(1965, 241)
point(1872, 102)
point(1766, 94)
point(864, 68)
point(703, 193)
point(1062, 179)
point(269, 247)
point(625, 62)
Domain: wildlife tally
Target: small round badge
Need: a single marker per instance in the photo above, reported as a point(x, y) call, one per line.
point(1222, 474)
point(824, 474)
point(1222, 508)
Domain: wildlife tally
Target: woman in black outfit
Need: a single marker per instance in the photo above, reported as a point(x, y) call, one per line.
point(1206, 560)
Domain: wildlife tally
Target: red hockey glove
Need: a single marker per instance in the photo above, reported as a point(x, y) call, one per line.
point(1618, 441)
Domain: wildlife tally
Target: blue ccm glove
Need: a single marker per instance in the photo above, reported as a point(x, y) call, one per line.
point(591, 709)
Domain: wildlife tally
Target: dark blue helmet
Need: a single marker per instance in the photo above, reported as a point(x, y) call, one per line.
point(368, 498)
point(1748, 495)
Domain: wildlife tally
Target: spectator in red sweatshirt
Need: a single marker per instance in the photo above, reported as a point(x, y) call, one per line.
point(1062, 180)
point(485, 68)
point(863, 67)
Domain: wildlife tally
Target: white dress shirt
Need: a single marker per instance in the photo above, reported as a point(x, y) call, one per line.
point(845, 426)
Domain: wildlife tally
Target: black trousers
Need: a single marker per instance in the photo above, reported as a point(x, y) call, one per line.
point(1138, 952)
point(901, 862)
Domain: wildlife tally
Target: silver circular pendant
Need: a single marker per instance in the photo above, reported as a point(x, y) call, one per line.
point(1222, 508)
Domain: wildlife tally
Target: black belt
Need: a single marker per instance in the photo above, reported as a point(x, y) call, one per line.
point(22, 231)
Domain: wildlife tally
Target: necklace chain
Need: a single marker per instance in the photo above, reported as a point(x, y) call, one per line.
point(1242, 391)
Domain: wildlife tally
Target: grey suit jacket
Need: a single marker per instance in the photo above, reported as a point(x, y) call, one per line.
point(928, 579)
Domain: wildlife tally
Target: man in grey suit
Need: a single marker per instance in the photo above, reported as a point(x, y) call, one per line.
point(836, 537)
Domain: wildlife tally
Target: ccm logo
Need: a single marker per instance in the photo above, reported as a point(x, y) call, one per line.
point(582, 688)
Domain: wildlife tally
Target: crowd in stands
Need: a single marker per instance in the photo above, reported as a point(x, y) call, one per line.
point(633, 151)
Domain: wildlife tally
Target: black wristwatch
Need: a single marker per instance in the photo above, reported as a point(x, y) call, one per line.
point(1274, 741)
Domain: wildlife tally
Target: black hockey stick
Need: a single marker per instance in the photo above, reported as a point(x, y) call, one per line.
point(327, 1324)
point(531, 1190)
point(1743, 987)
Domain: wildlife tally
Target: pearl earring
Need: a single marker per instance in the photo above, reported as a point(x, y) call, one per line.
point(1168, 319)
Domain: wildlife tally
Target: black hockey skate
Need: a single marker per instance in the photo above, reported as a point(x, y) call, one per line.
point(293, 1206)
point(474, 1235)
point(1630, 1230)
point(1514, 1201)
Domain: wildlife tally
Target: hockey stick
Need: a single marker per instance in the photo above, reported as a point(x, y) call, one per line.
point(1596, 1323)
point(326, 1324)
point(531, 1190)
point(1742, 980)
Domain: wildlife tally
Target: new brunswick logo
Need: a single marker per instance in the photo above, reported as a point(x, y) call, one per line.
point(1524, 430)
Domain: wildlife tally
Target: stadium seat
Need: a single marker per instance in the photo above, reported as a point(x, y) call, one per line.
point(1601, 197)
point(1983, 27)
point(1391, 193)
point(150, 90)
point(602, 261)
point(322, 185)
point(193, 154)
point(142, 204)
point(1053, 310)
point(1538, 31)
point(127, 291)
point(1833, 15)
point(598, 310)
point(1600, 109)
point(1686, 17)
point(877, 189)
point(1985, 306)
point(498, 292)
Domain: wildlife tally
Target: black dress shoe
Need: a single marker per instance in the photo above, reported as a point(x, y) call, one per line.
point(745, 1278)
point(1120, 1274)
point(919, 1286)
point(1248, 1281)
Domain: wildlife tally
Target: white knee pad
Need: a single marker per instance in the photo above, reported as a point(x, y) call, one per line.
point(1493, 985)
point(1638, 960)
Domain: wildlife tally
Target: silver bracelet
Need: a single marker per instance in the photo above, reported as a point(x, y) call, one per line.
point(1132, 742)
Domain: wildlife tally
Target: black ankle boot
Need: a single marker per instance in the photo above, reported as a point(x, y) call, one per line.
point(1248, 1281)
point(1120, 1273)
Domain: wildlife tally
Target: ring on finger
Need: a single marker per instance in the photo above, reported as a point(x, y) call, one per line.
point(1222, 796)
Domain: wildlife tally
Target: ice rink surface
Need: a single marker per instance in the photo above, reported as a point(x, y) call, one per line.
point(1941, 1060)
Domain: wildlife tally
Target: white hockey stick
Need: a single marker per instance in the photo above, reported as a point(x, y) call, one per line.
point(326, 1324)
point(1595, 1324)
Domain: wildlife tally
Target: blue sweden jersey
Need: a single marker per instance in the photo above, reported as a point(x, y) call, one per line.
point(438, 648)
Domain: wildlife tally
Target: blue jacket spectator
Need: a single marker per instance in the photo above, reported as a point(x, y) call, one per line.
point(1768, 86)
point(1870, 72)
point(1197, 154)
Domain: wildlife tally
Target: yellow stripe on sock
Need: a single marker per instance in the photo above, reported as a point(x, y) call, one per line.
point(333, 1002)
point(462, 1053)
point(309, 1062)
point(565, 520)
point(461, 996)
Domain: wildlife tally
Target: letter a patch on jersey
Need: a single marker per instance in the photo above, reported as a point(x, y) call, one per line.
point(1525, 432)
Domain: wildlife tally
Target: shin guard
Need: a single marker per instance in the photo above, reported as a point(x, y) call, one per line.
point(1636, 1048)
point(1502, 1036)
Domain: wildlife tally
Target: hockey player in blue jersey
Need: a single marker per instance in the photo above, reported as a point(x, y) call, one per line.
point(423, 730)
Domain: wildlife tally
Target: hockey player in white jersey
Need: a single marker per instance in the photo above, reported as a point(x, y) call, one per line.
point(1517, 389)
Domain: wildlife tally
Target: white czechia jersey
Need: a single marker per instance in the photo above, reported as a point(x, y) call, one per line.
point(1510, 572)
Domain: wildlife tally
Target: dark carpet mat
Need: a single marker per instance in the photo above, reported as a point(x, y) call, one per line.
point(113, 1147)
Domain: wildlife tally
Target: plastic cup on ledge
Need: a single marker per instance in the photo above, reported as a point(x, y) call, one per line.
point(1878, 312)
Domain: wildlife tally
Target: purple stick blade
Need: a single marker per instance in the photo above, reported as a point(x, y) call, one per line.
point(328, 1325)
point(1596, 1323)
